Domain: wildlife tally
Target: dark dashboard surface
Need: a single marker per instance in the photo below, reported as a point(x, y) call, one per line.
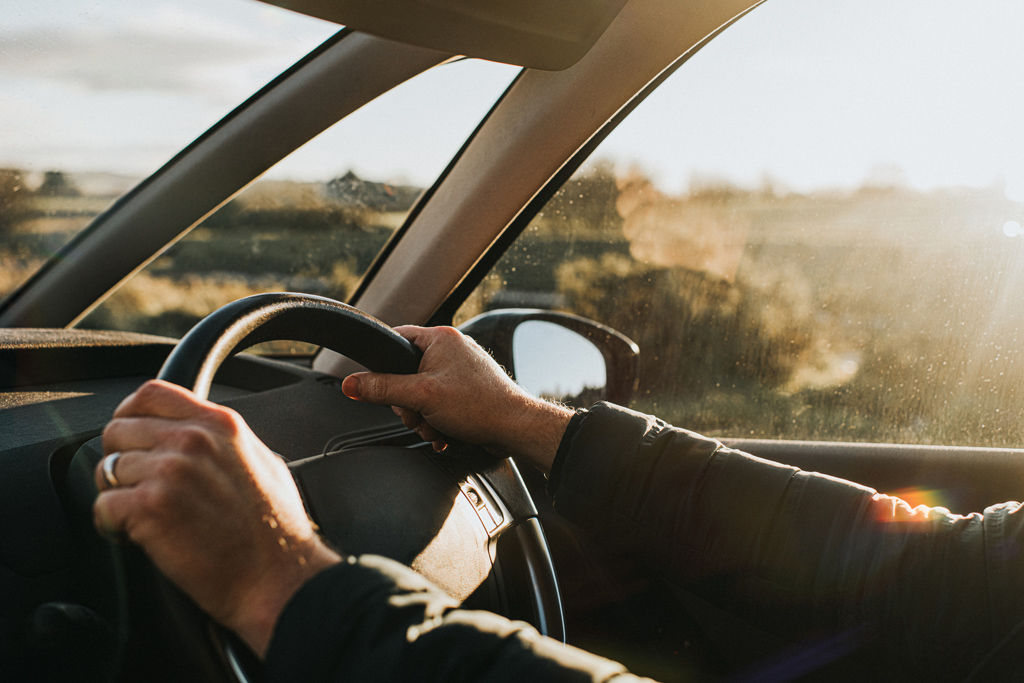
point(58, 385)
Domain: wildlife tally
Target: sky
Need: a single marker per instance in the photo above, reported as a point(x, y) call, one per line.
point(811, 94)
point(118, 86)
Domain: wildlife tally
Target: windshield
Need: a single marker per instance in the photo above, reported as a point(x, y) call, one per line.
point(317, 220)
point(812, 229)
point(97, 94)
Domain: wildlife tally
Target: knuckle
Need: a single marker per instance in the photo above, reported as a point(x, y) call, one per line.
point(192, 439)
point(136, 533)
point(446, 332)
point(374, 387)
point(150, 391)
point(430, 389)
point(140, 529)
point(154, 500)
point(111, 431)
point(171, 468)
point(410, 419)
point(148, 394)
point(226, 419)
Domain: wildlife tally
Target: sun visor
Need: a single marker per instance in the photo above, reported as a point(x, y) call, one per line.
point(541, 34)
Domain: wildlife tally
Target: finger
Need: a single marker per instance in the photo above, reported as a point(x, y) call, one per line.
point(194, 437)
point(99, 474)
point(157, 398)
point(110, 511)
point(136, 433)
point(382, 388)
point(351, 386)
point(419, 336)
point(128, 470)
point(428, 433)
point(414, 421)
point(410, 418)
point(425, 337)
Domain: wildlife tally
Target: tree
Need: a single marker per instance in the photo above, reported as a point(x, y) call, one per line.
point(57, 184)
point(12, 197)
point(588, 200)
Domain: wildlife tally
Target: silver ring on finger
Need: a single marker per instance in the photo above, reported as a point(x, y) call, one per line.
point(109, 474)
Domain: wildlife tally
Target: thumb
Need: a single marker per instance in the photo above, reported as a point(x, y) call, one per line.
point(377, 387)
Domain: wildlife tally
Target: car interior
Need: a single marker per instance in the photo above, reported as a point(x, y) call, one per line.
point(868, 331)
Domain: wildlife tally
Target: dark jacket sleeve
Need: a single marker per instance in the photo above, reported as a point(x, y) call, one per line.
point(372, 619)
point(797, 552)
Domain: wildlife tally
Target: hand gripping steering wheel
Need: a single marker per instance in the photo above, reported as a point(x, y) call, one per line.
point(414, 492)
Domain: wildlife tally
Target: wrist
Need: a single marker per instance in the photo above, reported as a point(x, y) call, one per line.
point(538, 432)
point(255, 619)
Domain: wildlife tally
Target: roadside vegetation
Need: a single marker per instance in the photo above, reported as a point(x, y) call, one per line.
point(880, 314)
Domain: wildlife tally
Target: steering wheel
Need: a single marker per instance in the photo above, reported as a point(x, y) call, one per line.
point(398, 501)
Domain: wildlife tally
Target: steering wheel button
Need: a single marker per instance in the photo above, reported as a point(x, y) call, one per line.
point(490, 518)
point(474, 497)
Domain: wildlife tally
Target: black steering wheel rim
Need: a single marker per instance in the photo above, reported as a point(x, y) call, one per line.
point(342, 328)
point(285, 315)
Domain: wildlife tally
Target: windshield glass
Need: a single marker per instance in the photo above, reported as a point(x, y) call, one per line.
point(97, 94)
point(812, 230)
point(316, 221)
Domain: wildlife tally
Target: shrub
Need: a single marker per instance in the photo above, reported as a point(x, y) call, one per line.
point(13, 196)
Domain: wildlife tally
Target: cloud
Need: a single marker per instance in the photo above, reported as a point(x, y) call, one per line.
point(170, 48)
point(122, 85)
point(125, 60)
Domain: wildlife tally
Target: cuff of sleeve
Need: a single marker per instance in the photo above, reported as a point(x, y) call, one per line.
point(563, 448)
point(342, 622)
point(593, 458)
point(308, 624)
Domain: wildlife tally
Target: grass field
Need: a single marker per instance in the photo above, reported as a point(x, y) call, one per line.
point(882, 314)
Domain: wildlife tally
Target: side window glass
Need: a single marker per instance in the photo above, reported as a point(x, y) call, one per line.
point(809, 239)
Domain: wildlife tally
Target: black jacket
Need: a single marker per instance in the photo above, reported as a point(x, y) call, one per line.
point(794, 552)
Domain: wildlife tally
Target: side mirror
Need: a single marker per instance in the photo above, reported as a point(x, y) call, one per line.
point(559, 356)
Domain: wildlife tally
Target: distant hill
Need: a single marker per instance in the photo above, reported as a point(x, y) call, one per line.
point(99, 184)
point(352, 190)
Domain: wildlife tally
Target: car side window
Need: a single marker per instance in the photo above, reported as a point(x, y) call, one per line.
point(812, 230)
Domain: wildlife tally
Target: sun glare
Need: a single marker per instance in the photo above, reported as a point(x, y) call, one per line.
point(1014, 189)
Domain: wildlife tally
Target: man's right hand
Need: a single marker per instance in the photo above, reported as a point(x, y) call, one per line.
point(214, 508)
point(460, 392)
